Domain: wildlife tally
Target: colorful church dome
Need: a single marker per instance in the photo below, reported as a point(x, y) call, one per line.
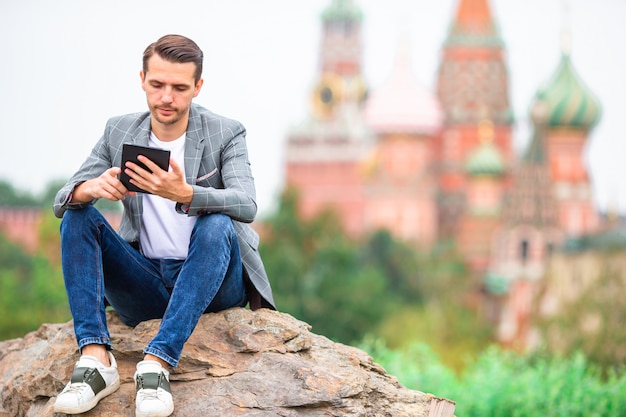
point(569, 102)
point(485, 159)
point(474, 26)
point(401, 105)
point(341, 10)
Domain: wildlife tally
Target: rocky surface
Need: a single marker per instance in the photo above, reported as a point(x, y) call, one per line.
point(236, 363)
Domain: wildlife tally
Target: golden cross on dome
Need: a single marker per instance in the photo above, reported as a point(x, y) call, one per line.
point(485, 127)
point(485, 131)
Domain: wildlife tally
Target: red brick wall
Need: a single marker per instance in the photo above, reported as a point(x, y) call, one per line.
point(21, 225)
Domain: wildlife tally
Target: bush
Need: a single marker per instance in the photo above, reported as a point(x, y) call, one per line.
point(501, 383)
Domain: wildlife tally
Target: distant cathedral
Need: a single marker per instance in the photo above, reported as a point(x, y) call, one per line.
point(435, 167)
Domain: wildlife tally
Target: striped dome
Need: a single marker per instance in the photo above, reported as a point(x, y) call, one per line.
point(485, 160)
point(569, 102)
point(342, 10)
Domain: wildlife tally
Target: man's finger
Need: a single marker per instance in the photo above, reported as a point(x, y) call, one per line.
point(148, 163)
point(175, 167)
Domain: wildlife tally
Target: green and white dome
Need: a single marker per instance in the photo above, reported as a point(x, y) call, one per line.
point(485, 160)
point(569, 102)
point(342, 10)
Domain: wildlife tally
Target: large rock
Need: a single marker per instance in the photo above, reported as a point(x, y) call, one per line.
point(236, 363)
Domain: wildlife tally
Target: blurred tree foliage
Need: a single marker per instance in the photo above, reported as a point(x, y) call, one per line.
point(31, 291)
point(321, 277)
point(11, 197)
point(448, 319)
point(347, 289)
point(47, 197)
point(31, 286)
point(593, 322)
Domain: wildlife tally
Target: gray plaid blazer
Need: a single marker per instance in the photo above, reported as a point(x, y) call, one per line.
point(216, 166)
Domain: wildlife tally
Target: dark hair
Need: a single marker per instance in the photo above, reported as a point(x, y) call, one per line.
point(175, 48)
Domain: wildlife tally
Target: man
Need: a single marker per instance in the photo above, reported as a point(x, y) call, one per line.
point(183, 247)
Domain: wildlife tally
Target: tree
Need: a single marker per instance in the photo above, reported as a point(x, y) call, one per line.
point(593, 321)
point(447, 317)
point(47, 196)
point(11, 197)
point(31, 291)
point(319, 276)
point(399, 262)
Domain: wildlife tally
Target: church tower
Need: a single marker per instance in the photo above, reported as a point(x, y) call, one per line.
point(549, 201)
point(484, 199)
point(400, 186)
point(528, 234)
point(572, 112)
point(324, 154)
point(472, 86)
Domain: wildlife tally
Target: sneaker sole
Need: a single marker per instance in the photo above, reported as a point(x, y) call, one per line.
point(163, 413)
point(83, 408)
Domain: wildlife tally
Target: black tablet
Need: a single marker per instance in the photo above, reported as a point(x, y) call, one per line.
point(130, 152)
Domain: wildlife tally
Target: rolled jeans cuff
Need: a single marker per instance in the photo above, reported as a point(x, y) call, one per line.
point(159, 354)
point(94, 341)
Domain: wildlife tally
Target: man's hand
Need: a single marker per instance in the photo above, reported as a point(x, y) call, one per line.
point(106, 186)
point(167, 184)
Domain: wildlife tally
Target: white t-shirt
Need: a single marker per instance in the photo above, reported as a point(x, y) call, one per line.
point(164, 232)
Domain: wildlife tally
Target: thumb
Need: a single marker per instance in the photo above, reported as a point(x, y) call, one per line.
point(114, 171)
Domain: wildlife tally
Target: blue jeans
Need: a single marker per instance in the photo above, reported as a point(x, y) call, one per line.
point(98, 263)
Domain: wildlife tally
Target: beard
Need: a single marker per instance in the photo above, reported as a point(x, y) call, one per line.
point(176, 116)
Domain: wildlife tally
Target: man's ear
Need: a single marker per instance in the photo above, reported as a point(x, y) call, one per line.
point(142, 75)
point(198, 87)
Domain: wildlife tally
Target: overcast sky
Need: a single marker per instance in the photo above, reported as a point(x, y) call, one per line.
point(69, 65)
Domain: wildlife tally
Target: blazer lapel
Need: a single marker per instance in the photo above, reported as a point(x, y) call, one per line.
point(193, 146)
point(142, 135)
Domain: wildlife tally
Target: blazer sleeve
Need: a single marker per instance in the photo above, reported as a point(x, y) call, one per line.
point(235, 196)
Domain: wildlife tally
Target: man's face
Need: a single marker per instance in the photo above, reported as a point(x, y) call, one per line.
point(169, 88)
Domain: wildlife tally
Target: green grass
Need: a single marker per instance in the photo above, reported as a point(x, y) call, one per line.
point(503, 384)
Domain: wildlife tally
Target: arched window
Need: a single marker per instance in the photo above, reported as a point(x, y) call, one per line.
point(523, 250)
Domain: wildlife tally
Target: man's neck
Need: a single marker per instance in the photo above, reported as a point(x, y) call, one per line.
point(168, 133)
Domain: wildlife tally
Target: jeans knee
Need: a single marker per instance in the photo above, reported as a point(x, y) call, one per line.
point(79, 218)
point(214, 226)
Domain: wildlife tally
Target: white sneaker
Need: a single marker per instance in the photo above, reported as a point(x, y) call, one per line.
point(91, 381)
point(154, 395)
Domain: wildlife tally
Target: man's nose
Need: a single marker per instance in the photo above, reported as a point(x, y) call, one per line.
point(167, 95)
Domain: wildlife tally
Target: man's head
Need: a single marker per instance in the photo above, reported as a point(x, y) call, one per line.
point(177, 49)
point(171, 78)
